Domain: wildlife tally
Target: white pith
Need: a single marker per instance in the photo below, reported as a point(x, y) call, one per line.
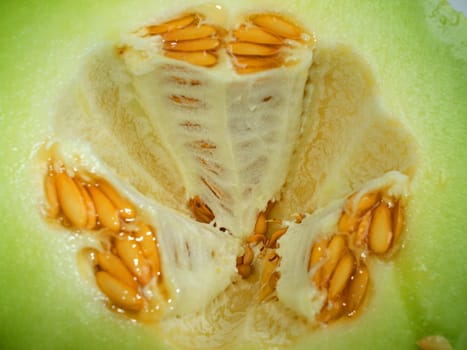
point(251, 121)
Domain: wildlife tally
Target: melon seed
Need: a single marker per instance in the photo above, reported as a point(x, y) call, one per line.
point(318, 252)
point(172, 25)
point(200, 210)
point(115, 267)
point(360, 236)
point(256, 35)
point(204, 59)
point(129, 250)
point(334, 251)
point(126, 209)
point(275, 236)
point(277, 25)
point(380, 233)
point(250, 49)
point(190, 33)
point(119, 293)
point(91, 210)
point(341, 275)
point(53, 206)
point(204, 44)
point(71, 201)
point(147, 240)
point(106, 211)
point(357, 289)
point(261, 225)
point(365, 203)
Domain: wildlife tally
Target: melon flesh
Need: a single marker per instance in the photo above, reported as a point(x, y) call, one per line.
point(426, 91)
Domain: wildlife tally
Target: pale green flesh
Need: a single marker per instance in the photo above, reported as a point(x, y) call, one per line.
point(423, 81)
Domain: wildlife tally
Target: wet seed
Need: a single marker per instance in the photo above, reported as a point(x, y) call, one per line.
point(53, 206)
point(256, 238)
point(380, 233)
point(331, 311)
point(119, 293)
point(334, 251)
point(190, 33)
point(276, 235)
point(71, 201)
point(204, 59)
point(147, 240)
point(248, 256)
point(115, 267)
point(126, 209)
point(358, 287)
point(172, 25)
point(106, 211)
point(256, 35)
point(244, 270)
point(366, 202)
point(129, 250)
point(250, 49)
point(361, 234)
point(277, 25)
point(261, 226)
point(341, 275)
point(91, 210)
point(347, 223)
point(192, 45)
point(318, 252)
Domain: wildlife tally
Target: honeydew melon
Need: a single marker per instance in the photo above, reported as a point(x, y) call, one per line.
point(409, 60)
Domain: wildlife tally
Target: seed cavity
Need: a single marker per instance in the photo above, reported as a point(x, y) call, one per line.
point(86, 205)
point(130, 258)
point(369, 226)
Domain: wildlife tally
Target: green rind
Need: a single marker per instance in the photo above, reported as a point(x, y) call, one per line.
point(419, 54)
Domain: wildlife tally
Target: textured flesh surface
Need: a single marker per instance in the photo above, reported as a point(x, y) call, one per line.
point(37, 59)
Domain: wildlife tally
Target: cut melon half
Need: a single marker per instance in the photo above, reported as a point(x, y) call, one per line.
point(225, 176)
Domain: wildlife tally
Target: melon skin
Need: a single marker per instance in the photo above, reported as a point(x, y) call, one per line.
point(417, 50)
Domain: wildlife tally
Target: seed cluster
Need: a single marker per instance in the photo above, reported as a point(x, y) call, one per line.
point(338, 265)
point(189, 39)
point(266, 244)
point(253, 46)
point(129, 259)
point(256, 44)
